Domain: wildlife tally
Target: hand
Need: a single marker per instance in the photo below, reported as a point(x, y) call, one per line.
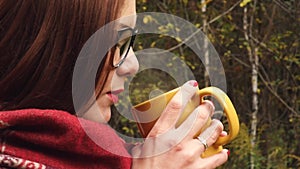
point(170, 147)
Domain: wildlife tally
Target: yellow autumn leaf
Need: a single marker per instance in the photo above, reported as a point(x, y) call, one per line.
point(147, 19)
point(244, 3)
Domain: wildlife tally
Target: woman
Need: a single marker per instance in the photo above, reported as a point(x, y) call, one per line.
point(39, 43)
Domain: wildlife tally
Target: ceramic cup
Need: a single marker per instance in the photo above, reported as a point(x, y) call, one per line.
point(147, 113)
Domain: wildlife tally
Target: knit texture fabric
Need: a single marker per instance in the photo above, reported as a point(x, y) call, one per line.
point(33, 138)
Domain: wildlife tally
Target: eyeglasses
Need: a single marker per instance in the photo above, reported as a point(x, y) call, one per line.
point(126, 39)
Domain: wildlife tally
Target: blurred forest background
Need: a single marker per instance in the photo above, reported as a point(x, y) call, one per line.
point(259, 45)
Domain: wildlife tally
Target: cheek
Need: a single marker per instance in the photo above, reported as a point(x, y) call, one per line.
point(116, 56)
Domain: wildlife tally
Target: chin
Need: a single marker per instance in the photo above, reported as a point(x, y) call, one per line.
point(107, 117)
point(106, 114)
point(98, 112)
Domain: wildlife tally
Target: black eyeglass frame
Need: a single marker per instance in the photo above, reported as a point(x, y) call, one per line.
point(134, 32)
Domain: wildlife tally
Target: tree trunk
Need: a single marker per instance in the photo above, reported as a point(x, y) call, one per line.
point(254, 79)
point(205, 44)
point(254, 61)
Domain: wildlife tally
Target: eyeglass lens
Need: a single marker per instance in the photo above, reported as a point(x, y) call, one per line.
point(126, 37)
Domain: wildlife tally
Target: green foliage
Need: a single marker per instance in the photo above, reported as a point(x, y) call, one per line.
point(143, 88)
point(239, 150)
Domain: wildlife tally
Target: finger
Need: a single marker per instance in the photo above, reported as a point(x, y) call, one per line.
point(197, 119)
point(215, 160)
point(189, 151)
point(211, 106)
point(212, 133)
point(174, 108)
point(198, 146)
point(223, 133)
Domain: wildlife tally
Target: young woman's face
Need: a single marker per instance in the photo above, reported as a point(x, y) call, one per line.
point(101, 112)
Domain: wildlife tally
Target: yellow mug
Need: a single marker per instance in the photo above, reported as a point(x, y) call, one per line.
point(147, 113)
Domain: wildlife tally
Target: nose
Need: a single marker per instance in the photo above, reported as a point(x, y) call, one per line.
point(130, 65)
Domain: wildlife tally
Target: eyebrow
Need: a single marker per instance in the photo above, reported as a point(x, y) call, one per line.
point(122, 29)
point(123, 26)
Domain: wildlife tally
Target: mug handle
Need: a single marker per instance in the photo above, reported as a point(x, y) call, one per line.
point(229, 110)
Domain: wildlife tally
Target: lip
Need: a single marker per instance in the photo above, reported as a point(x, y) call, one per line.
point(113, 95)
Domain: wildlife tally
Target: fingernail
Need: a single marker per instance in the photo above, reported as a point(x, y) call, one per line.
point(228, 152)
point(193, 83)
point(223, 134)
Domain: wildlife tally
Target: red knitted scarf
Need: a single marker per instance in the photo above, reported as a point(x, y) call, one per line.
point(33, 138)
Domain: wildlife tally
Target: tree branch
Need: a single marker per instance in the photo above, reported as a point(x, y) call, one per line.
point(277, 96)
point(200, 29)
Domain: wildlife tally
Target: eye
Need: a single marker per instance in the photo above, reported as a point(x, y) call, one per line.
point(124, 38)
point(124, 45)
point(124, 35)
point(125, 41)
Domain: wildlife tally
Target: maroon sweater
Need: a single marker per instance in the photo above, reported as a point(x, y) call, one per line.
point(33, 138)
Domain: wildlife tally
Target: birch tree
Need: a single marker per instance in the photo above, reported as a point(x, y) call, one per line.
point(205, 42)
point(254, 61)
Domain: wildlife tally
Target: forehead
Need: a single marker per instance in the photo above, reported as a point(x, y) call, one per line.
point(129, 8)
point(128, 12)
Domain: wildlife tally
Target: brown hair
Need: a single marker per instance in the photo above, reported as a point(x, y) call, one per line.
point(39, 44)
